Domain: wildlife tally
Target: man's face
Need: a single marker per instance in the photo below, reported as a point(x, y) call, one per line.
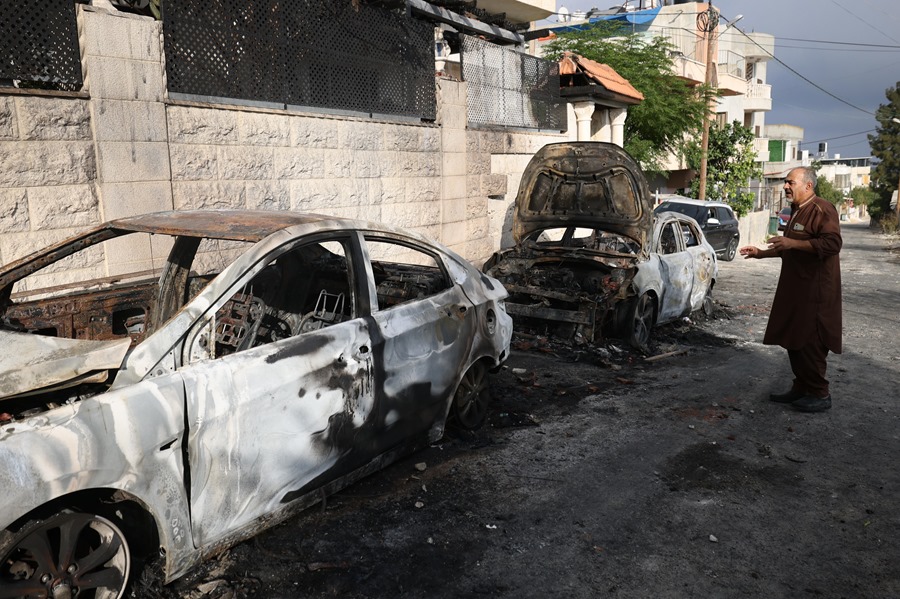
point(797, 188)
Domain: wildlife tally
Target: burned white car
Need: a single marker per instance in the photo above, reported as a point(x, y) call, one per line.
point(172, 383)
point(590, 259)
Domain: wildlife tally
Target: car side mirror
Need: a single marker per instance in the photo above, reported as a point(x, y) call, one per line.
point(713, 221)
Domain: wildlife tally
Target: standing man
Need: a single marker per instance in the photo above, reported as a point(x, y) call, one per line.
point(806, 313)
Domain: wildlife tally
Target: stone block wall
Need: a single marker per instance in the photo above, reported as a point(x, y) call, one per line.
point(122, 147)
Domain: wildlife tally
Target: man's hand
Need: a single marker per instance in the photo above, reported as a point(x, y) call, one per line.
point(749, 251)
point(780, 243)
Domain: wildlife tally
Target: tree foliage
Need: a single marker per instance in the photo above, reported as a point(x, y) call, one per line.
point(671, 111)
point(731, 163)
point(885, 144)
point(826, 190)
point(863, 195)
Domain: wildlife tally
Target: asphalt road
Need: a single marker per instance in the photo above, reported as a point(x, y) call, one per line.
point(606, 475)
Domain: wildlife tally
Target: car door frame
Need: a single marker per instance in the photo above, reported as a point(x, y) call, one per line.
point(402, 382)
point(676, 279)
point(309, 441)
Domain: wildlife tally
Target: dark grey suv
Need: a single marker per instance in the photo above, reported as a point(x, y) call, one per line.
point(717, 220)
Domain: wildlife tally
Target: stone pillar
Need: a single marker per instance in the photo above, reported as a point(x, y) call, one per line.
point(617, 116)
point(600, 127)
point(583, 113)
point(124, 75)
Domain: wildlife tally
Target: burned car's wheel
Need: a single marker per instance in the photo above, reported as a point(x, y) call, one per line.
point(709, 306)
point(730, 251)
point(471, 400)
point(640, 316)
point(70, 554)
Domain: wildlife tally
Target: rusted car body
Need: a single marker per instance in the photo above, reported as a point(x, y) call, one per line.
point(264, 360)
point(585, 253)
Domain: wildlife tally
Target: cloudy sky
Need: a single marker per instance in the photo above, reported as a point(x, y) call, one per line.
point(849, 48)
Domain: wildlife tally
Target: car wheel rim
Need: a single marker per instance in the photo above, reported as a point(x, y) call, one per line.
point(643, 320)
point(66, 556)
point(732, 249)
point(470, 400)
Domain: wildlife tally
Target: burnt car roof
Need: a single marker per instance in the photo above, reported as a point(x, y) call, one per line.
point(235, 225)
point(588, 184)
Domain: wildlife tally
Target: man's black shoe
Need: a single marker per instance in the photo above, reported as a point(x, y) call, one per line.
point(789, 397)
point(811, 403)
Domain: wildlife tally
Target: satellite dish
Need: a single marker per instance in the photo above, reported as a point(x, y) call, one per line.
point(563, 15)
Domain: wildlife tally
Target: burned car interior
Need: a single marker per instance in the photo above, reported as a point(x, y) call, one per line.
point(581, 225)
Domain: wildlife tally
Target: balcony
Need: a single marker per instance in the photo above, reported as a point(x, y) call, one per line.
point(730, 70)
point(520, 11)
point(758, 98)
point(761, 147)
point(759, 45)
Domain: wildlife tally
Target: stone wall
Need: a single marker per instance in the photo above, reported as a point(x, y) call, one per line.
point(122, 147)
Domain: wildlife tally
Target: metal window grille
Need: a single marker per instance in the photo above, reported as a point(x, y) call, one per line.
point(39, 45)
point(316, 53)
point(510, 88)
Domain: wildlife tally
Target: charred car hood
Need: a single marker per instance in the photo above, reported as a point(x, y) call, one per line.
point(584, 184)
point(36, 363)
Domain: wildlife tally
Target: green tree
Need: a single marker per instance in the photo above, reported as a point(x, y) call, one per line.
point(672, 110)
point(826, 190)
point(731, 163)
point(863, 196)
point(885, 144)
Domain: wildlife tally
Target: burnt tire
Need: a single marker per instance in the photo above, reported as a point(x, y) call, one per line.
point(69, 554)
point(639, 320)
point(709, 306)
point(469, 407)
point(730, 251)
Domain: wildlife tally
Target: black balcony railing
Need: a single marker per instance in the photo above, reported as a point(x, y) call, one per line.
point(308, 53)
point(39, 45)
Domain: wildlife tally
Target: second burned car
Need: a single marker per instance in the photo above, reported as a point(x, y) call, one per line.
point(591, 259)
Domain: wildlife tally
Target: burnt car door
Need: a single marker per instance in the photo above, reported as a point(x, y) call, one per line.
point(703, 264)
point(426, 329)
point(279, 382)
point(676, 270)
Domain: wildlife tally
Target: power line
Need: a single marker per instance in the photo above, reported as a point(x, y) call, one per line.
point(816, 85)
point(856, 16)
point(839, 137)
point(797, 39)
point(838, 49)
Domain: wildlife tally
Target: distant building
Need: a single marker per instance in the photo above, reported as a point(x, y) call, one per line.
point(741, 60)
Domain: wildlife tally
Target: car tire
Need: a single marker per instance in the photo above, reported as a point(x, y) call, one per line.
point(731, 250)
point(709, 307)
point(639, 320)
point(469, 407)
point(69, 551)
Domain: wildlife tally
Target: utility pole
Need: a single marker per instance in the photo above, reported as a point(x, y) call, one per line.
point(707, 22)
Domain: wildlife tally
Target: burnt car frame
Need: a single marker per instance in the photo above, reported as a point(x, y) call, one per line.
point(265, 360)
point(586, 264)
